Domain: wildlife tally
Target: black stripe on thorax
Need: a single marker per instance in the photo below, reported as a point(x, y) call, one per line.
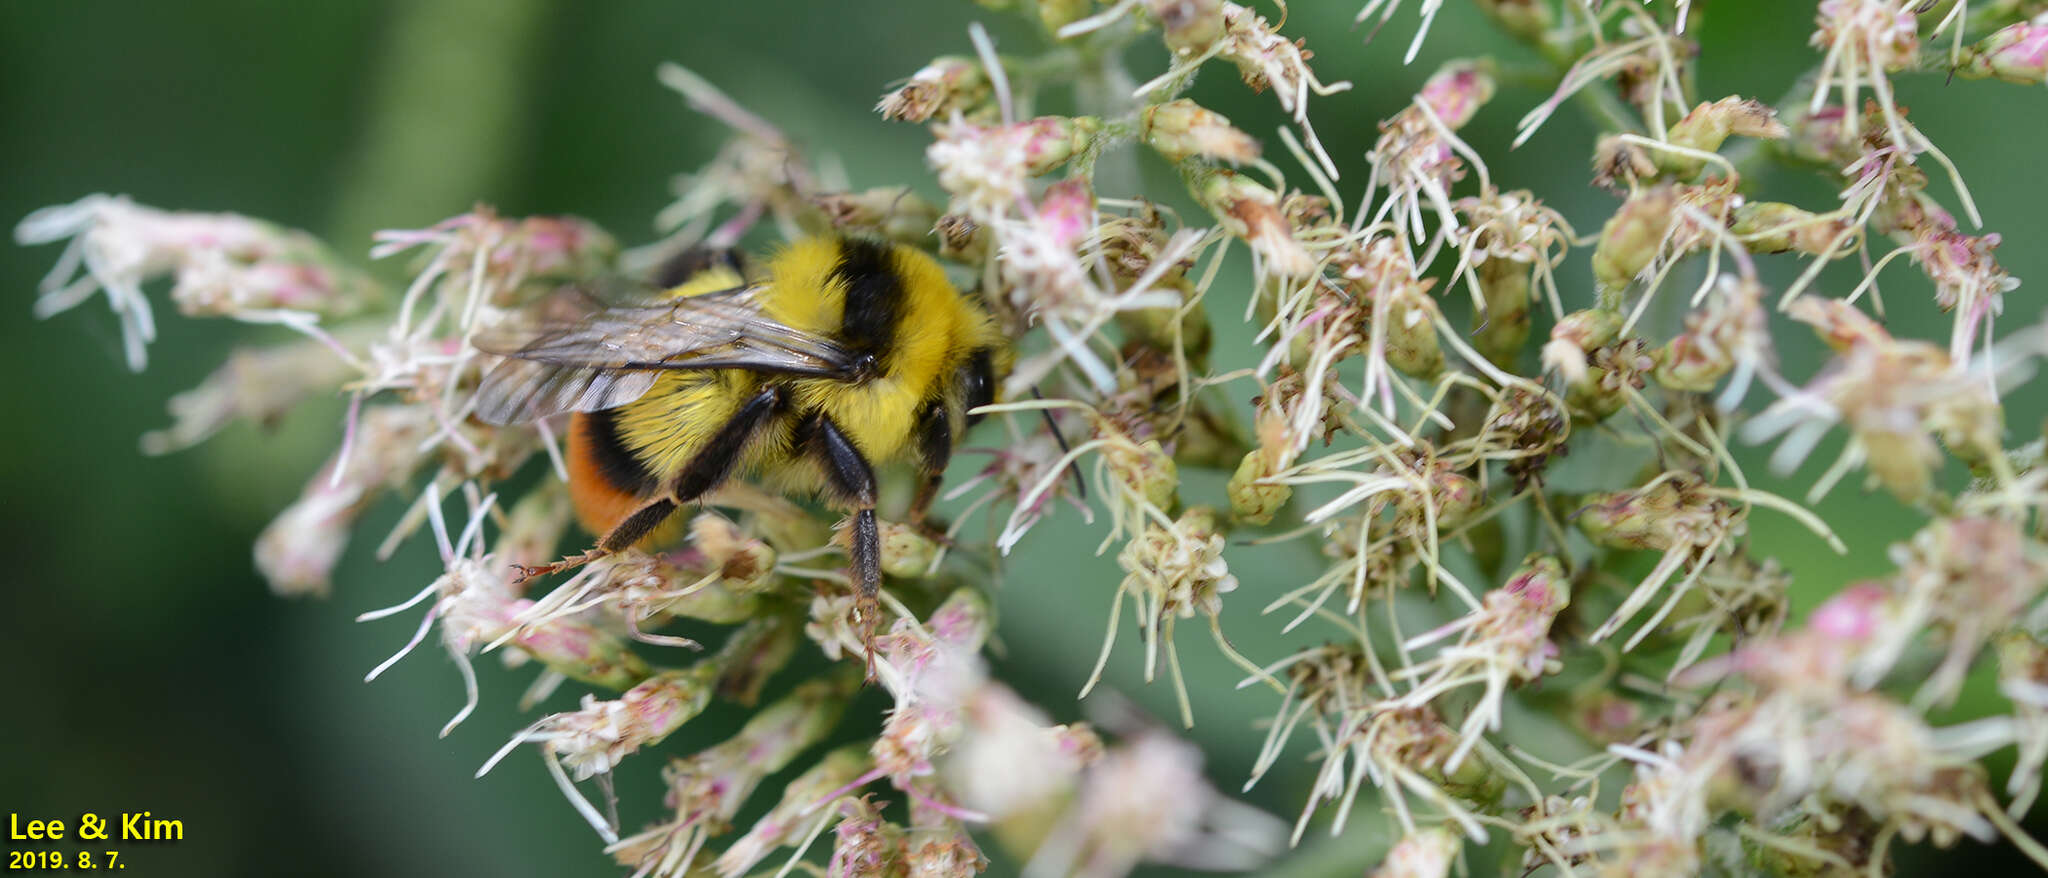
point(874, 296)
point(615, 462)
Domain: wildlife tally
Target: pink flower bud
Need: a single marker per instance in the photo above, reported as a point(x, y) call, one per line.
point(1182, 129)
point(2015, 53)
point(1456, 92)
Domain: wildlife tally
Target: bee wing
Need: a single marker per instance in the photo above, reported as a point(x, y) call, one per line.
point(588, 349)
point(516, 391)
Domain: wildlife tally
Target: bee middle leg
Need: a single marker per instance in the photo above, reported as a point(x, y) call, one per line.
point(853, 479)
point(705, 471)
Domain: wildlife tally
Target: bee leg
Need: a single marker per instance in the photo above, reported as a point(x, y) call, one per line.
point(920, 511)
point(715, 461)
point(705, 471)
point(849, 474)
point(622, 536)
point(934, 450)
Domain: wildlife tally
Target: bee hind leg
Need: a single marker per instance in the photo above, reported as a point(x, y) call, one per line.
point(623, 535)
point(707, 470)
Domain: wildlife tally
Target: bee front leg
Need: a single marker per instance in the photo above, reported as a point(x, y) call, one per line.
point(853, 479)
point(934, 451)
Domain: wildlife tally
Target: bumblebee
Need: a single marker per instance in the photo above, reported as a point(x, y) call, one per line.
point(844, 354)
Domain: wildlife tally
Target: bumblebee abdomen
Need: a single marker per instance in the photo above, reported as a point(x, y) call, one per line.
point(621, 457)
point(606, 480)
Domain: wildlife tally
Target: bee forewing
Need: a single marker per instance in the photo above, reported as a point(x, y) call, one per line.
point(584, 349)
point(517, 391)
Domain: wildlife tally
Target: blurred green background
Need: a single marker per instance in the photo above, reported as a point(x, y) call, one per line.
point(148, 668)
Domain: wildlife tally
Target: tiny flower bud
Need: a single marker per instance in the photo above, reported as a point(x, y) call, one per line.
point(906, 553)
point(1619, 165)
point(1412, 345)
point(1250, 501)
point(1182, 129)
point(939, 847)
point(961, 239)
point(741, 561)
point(1147, 471)
point(1131, 244)
point(581, 651)
point(1189, 27)
point(1632, 237)
point(1574, 338)
point(1711, 124)
point(1066, 214)
point(2014, 53)
point(1184, 568)
point(1456, 92)
point(1427, 854)
point(1526, 20)
point(1504, 326)
point(865, 845)
point(1613, 373)
point(1775, 227)
point(947, 85)
point(1672, 511)
point(1531, 424)
point(594, 739)
point(1839, 324)
point(653, 588)
point(1451, 497)
point(1056, 14)
point(1252, 212)
point(1050, 140)
point(1730, 331)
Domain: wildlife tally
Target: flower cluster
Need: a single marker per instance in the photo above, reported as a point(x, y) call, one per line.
point(1524, 498)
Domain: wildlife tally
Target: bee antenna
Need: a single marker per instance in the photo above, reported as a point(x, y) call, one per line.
point(1080, 484)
